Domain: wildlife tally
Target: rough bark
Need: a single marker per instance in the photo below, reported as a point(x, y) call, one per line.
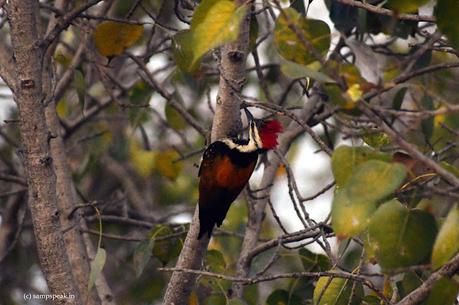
point(226, 122)
point(29, 96)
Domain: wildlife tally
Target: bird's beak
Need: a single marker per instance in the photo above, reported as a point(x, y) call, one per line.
point(248, 114)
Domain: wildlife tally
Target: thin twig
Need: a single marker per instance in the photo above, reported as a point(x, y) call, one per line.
point(386, 12)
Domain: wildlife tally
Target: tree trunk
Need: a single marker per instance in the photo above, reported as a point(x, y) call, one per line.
point(226, 122)
point(29, 96)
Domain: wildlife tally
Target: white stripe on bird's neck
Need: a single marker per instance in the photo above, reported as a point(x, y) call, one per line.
point(254, 143)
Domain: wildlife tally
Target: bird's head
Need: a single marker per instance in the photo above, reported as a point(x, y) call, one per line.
point(263, 133)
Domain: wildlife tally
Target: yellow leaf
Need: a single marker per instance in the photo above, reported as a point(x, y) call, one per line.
point(280, 171)
point(62, 58)
point(214, 23)
point(439, 118)
point(62, 109)
point(193, 299)
point(352, 95)
point(112, 38)
point(142, 160)
point(166, 165)
point(219, 23)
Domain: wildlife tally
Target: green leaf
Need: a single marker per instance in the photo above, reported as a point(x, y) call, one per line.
point(354, 204)
point(142, 255)
point(167, 249)
point(398, 99)
point(410, 282)
point(446, 14)
point(399, 237)
point(370, 248)
point(183, 50)
point(80, 86)
point(336, 292)
point(214, 23)
point(234, 301)
point(350, 217)
point(450, 168)
point(112, 38)
point(253, 32)
point(251, 294)
point(405, 6)
point(375, 180)
point(346, 158)
point(216, 261)
point(296, 71)
point(376, 140)
point(445, 291)
point(447, 242)
point(97, 264)
point(313, 261)
point(174, 119)
point(290, 46)
point(216, 299)
point(139, 95)
point(350, 259)
point(282, 297)
point(371, 300)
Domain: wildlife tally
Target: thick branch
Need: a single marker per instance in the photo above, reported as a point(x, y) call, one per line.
point(422, 292)
point(226, 122)
point(23, 16)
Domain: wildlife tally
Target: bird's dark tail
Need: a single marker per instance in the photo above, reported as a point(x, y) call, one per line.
point(205, 227)
point(210, 216)
point(202, 232)
point(206, 222)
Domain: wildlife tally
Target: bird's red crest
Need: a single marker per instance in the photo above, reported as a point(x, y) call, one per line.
point(268, 133)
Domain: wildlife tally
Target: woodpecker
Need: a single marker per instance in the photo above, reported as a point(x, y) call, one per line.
point(226, 167)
